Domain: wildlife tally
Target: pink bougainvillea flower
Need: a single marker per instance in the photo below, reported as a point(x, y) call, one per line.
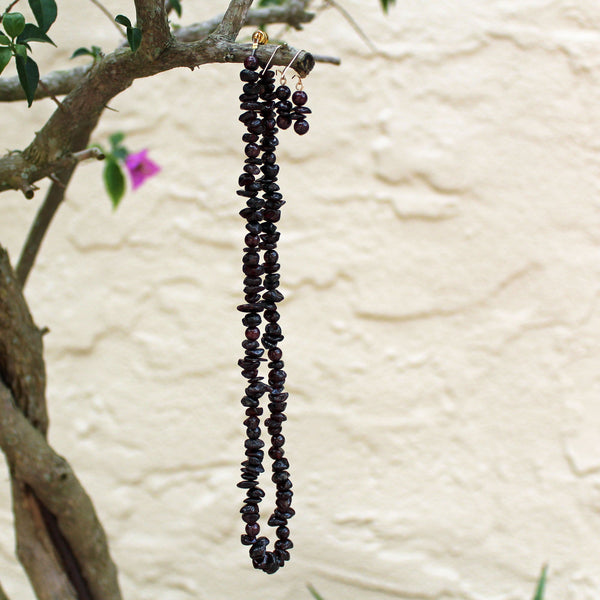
point(140, 167)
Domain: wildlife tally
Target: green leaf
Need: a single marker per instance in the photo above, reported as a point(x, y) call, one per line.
point(5, 56)
point(541, 585)
point(116, 148)
point(114, 181)
point(29, 76)
point(314, 592)
point(123, 20)
point(385, 4)
point(262, 3)
point(116, 138)
point(21, 50)
point(4, 40)
point(14, 23)
point(81, 52)
point(121, 153)
point(45, 12)
point(134, 37)
point(176, 7)
point(95, 52)
point(32, 33)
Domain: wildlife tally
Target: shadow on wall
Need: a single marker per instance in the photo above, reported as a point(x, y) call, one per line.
point(538, 594)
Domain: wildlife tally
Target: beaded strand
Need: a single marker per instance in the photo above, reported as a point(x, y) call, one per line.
point(263, 108)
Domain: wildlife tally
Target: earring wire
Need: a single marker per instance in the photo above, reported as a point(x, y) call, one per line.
point(270, 60)
point(291, 63)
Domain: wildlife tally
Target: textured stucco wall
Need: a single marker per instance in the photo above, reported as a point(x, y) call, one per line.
point(440, 251)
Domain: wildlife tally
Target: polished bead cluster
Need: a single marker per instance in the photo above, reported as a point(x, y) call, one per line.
point(263, 110)
point(294, 111)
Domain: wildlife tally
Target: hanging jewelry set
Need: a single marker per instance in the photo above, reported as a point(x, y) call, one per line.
point(267, 108)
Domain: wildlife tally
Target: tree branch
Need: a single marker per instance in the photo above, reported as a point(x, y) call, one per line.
point(57, 83)
point(291, 14)
point(153, 22)
point(21, 361)
point(34, 547)
point(60, 83)
point(46, 213)
point(52, 147)
point(33, 464)
point(39, 227)
point(233, 19)
point(60, 541)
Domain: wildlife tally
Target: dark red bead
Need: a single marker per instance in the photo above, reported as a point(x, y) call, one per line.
point(255, 126)
point(248, 75)
point(247, 117)
point(252, 169)
point(275, 354)
point(251, 240)
point(253, 270)
point(252, 422)
point(284, 121)
point(253, 333)
point(251, 62)
point(248, 540)
point(245, 179)
point(299, 98)
point(283, 504)
point(277, 441)
point(252, 150)
point(301, 126)
point(250, 518)
point(272, 215)
point(283, 92)
point(251, 106)
point(284, 545)
point(270, 171)
point(285, 106)
point(272, 316)
point(276, 453)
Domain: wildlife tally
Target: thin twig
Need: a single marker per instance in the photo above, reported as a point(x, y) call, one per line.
point(8, 9)
point(40, 225)
point(109, 15)
point(87, 154)
point(51, 95)
point(353, 24)
point(332, 60)
point(28, 189)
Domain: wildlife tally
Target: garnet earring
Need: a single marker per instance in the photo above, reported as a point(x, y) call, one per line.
point(265, 109)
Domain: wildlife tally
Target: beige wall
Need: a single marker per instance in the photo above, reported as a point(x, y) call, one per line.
point(441, 253)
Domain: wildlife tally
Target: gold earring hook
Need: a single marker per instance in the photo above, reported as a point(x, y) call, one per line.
point(258, 39)
point(299, 85)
